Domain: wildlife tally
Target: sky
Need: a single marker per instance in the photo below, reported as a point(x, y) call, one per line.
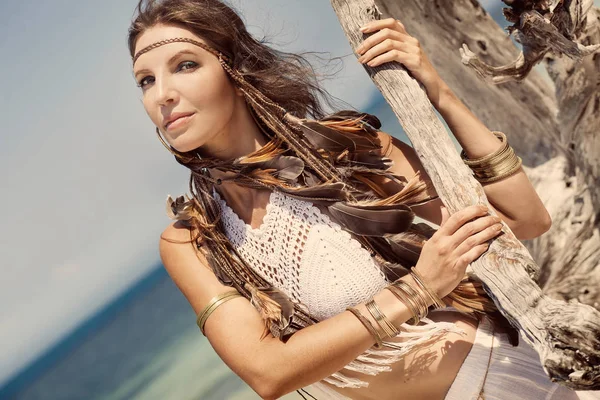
point(84, 179)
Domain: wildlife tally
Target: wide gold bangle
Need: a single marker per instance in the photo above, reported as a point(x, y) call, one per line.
point(437, 301)
point(367, 324)
point(498, 165)
point(501, 172)
point(212, 306)
point(490, 157)
point(388, 328)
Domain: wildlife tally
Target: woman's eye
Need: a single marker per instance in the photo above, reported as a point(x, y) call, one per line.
point(186, 65)
point(145, 81)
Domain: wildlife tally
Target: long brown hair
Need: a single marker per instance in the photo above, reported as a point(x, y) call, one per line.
point(331, 161)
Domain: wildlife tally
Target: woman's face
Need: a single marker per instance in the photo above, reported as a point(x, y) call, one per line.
point(186, 92)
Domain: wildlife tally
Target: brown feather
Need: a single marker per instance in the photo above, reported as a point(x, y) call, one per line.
point(325, 192)
point(329, 139)
point(351, 115)
point(372, 220)
point(274, 307)
point(283, 167)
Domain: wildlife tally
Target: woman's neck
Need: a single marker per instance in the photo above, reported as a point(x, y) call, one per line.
point(241, 136)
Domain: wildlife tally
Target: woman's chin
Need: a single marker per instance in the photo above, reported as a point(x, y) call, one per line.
point(183, 144)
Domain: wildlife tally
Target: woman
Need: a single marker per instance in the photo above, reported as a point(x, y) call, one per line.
point(278, 212)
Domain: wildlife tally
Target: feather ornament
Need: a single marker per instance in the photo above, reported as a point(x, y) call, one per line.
point(282, 167)
point(331, 139)
point(325, 192)
point(274, 307)
point(182, 209)
point(372, 219)
point(369, 122)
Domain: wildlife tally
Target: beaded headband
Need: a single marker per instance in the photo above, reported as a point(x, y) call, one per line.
point(146, 49)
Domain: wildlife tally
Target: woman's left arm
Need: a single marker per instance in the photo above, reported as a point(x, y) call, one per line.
point(513, 197)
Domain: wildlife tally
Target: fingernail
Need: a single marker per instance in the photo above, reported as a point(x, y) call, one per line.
point(363, 28)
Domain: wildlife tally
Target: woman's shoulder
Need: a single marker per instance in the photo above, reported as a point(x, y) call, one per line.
point(187, 266)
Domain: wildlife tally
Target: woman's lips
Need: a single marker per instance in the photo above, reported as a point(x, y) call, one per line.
point(179, 122)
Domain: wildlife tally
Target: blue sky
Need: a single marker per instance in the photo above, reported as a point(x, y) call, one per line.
point(84, 177)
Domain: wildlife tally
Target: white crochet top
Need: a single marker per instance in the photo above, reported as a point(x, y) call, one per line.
point(302, 252)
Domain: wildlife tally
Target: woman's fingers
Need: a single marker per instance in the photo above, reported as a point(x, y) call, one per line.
point(398, 50)
point(460, 218)
point(479, 238)
point(379, 37)
point(471, 228)
point(390, 23)
point(474, 253)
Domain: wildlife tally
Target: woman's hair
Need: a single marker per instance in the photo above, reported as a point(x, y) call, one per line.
point(303, 159)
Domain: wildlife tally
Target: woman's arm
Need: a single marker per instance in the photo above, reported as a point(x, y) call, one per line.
point(514, 197)
point(271, 368)
point(501, 194)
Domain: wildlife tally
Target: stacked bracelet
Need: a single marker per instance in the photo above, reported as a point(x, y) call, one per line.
point(384, 324)
point(376, 335)
point(495, 166)
point(415, 300)
point(435, 299)
point(212, 306)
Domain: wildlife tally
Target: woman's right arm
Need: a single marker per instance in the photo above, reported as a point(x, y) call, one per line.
point(273, 368)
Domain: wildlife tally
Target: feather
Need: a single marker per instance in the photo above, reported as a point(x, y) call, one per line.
point(181, 209)
point(332, 140)
point(325, 192)
point(372, 220)
point(285, 167)
point(345, 115)
point(274, 307)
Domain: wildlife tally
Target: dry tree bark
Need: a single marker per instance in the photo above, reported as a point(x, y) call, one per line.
point(542, 128)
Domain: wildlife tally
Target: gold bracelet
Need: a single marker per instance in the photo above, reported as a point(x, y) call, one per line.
point(403, 297)
point(509, 170)
point(415, 296)
point(491, 156)
point(368, 325)
point(502, 157)
point(212, 306)
point(437, 301)
point(498, 165)
point(388, 328)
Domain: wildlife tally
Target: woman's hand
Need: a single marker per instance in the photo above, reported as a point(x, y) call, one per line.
point(391, 42)
point(461, 238)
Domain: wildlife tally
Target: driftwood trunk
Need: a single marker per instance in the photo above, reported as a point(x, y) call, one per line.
point(557, 137)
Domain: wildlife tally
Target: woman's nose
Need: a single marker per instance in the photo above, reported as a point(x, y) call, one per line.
point(165, 92)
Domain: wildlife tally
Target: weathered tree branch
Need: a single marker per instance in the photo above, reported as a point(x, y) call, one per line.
point(566, 335)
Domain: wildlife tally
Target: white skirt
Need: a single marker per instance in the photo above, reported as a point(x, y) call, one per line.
point(495, 370)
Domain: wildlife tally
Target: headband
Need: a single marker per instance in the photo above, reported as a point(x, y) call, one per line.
point(146, 49)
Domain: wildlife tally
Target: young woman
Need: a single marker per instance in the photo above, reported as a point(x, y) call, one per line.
point(296, 246)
